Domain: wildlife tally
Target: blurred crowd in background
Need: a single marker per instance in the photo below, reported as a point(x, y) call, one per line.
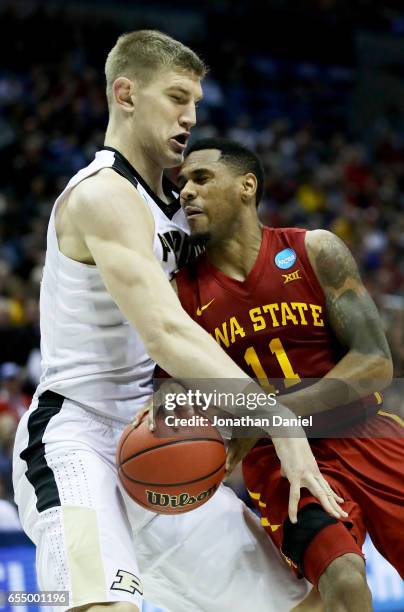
point(323, 167)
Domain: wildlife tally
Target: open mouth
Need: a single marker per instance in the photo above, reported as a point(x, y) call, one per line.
point(180, 141)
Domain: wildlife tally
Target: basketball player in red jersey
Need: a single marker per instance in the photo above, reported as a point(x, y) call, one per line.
point(289, 303)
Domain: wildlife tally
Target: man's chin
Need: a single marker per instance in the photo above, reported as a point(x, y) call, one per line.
point(174, 159)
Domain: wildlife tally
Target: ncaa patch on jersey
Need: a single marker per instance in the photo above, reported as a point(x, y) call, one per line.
point(285, 259)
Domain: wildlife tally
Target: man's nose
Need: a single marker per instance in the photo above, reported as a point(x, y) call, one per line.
point(188, 117)
point(187, 193)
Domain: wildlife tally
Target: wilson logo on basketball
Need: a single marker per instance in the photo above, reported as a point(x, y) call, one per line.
point(163, 500)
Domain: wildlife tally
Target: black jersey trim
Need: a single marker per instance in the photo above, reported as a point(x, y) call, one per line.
point(125, 168)
point(39, 474)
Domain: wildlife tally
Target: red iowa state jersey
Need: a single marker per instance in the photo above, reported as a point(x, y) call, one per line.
point(273, 324)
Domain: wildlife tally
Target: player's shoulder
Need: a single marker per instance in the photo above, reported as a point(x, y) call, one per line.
point(106, 194)
point(99, 186)
point(316, 244)
point(314, 240)
point(320, 241)
point(330, 258)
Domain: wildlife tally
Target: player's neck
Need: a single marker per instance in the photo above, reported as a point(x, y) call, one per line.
point(150, 172)
point(236, 255)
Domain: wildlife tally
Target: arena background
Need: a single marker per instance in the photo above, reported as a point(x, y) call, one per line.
point(316, 87)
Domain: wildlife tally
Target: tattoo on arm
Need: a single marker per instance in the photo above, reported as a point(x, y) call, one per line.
point(351, 312)
point(356, 323)
point(335, 264)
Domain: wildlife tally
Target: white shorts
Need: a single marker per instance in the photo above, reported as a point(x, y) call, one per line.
point(94, 542)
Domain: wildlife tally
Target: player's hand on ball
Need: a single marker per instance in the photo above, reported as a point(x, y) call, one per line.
point(146, 410)
point(238, 449)
point(158, 399)
point(300, 468)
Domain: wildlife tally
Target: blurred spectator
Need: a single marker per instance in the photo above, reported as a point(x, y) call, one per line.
point(9, 520)
point(13, 403)
point(13, 400)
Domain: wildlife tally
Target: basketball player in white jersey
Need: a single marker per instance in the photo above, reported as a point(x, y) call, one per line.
point(107, 314)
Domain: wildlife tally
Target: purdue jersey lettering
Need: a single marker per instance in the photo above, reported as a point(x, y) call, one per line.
point(179, 244)
point(127, 582)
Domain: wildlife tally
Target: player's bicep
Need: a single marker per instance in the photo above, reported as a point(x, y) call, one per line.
point(118, 230)
point(107, 209)
point(132, 277)
point(351, 312)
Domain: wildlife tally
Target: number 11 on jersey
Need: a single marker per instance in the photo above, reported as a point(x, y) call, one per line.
point(276, 347)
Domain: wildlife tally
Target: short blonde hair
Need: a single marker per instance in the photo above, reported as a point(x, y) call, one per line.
point(139, 54)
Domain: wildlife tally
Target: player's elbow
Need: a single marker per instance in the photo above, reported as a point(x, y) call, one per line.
point(380, 370)
point(160, 339)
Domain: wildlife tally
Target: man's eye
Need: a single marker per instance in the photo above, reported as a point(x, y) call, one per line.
point(177, 99)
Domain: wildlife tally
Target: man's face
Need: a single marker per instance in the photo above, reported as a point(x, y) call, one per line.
point(210, 194)
point(164, 113)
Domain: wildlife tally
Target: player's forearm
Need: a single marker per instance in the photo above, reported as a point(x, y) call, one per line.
point(139, 287)
point(355, 376)
point(186, 351)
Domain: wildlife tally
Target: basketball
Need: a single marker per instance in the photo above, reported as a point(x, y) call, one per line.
point(175, 473)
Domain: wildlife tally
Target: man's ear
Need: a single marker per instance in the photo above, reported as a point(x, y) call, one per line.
point(123, 91)
point(249, 186)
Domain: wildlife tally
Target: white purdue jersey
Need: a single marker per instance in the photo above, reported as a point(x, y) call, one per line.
point(90, 353)
point(92, 540)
